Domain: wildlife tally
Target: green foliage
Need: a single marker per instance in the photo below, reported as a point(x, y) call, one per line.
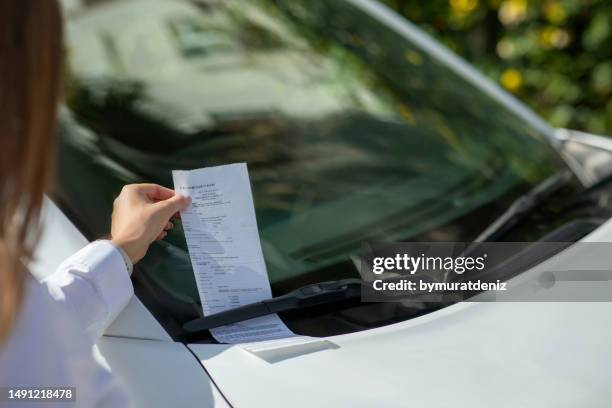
point(555, 55)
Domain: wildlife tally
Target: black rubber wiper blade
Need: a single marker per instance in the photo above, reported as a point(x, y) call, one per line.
point(306, 296)
point(523, 206)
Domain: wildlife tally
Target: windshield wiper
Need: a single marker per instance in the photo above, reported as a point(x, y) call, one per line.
point(306, 296)
point(523, 206)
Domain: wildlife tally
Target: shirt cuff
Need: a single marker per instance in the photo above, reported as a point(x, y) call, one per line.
point(102, 264)
point(126, 258)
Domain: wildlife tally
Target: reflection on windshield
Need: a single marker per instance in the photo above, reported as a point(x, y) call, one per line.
point(350, 132)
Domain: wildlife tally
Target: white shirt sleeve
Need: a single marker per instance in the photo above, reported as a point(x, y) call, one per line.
point(52, 341)
point(94, 284)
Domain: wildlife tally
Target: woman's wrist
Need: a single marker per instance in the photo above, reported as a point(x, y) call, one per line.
point(129, 248)
point(127, 259)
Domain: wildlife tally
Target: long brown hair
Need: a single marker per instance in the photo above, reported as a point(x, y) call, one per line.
point(30, 83)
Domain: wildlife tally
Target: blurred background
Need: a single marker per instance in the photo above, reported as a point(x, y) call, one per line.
point(555, 55)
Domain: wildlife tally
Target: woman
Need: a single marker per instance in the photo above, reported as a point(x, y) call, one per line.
point(47, 329)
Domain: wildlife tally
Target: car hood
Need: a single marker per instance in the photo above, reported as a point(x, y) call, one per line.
point(472, 354)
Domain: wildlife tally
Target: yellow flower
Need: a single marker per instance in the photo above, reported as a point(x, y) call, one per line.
point(553, 37)
point(505, 48)
point(463, 7)
point(554, 12)
point(511, 79)
point(512, 12)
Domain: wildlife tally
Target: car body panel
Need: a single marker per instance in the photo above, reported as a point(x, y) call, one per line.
point(475, 354)
point(470, 355)
point(501, 354)
point(160, 374)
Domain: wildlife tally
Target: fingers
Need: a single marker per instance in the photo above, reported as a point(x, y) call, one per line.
point(173, 205)
point(164, 233)
point(154, 192)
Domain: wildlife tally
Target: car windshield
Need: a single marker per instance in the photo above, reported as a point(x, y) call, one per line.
point(351, 132)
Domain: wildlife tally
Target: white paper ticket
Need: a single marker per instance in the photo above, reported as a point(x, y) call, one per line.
point(223, 242)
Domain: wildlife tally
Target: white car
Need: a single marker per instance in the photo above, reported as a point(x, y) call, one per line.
point(356, 126)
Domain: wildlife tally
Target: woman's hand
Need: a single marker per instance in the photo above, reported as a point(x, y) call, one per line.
point(141, 215)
